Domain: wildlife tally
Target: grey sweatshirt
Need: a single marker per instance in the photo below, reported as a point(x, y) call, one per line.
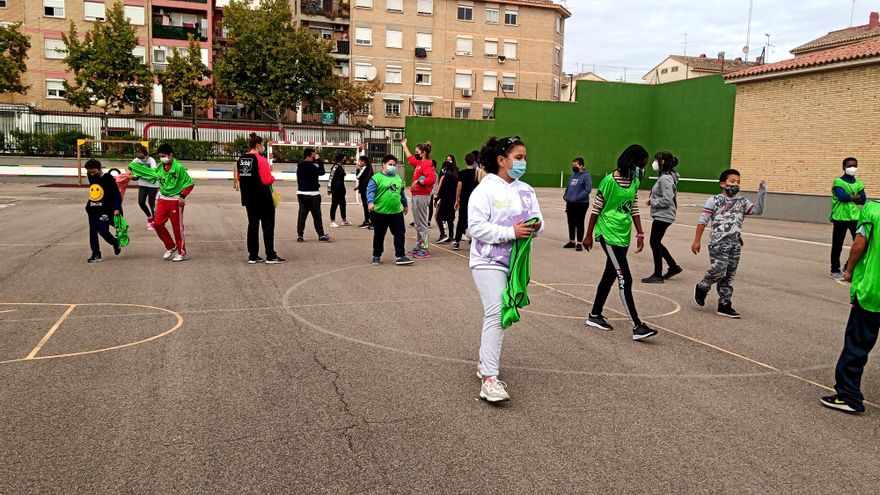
point(664, 202)
point(579, 187)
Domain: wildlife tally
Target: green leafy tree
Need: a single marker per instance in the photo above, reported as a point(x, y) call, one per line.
point(187, 80)
point(104, 67)
point(13, 53)
point(350, 97)
point(269, 63)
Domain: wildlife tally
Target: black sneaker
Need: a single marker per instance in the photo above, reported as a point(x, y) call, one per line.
point(300, 240)
point(254, 261)
point(276, 260)
point(673, 271)
point(376, 260)
point(325, 238)
point(370, 227)
point(653, 279)
point(835, 402)
point(444, 240)
point(363, 225)
point(579, 247)
point(599, 321)
point(117, 249)
point(700, 295)
point(570, 245)
point(403, 260)
point(728, 311)
point(96, 258)
point(456, 246)
point(642, 332)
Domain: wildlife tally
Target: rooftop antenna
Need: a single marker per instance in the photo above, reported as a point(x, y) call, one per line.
point(685, 44)
point(852, 15)
point(749, 31)
point(767, 49)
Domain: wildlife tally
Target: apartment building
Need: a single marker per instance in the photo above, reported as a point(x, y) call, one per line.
point(452, 58)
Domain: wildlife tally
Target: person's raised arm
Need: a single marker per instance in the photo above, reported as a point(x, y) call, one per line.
point(758, 208)
point(406, 152)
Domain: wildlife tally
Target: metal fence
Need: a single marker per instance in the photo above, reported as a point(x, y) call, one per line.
point(26, 131)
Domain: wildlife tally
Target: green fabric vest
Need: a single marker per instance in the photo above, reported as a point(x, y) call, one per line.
point(848, 211)
point(866, 275)
point(387, 200)
point(615, 219)
point(171, 183)
point(516, 294)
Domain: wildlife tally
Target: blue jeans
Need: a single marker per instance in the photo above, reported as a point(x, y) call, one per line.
point(860, 337)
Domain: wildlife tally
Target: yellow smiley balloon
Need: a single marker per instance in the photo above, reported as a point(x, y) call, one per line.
point(96, 192)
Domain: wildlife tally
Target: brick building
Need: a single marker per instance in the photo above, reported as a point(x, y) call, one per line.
point(452, 58)
point(797, 119)
point(679, 67)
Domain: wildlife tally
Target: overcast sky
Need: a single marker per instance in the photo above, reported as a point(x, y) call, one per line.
point(639, 34)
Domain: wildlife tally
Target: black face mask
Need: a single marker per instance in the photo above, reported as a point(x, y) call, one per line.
point(731, 190)
point(94, 178)
point(575, 169)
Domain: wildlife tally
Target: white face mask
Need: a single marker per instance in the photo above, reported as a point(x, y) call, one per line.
point(851, 171)
point(655, 166)
point(165, 159)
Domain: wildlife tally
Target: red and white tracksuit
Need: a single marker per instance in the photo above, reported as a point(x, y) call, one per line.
point(168, 208)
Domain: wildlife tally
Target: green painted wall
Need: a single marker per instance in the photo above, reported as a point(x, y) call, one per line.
point(692, 118)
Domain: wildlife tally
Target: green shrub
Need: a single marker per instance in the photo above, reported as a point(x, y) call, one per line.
point(188, 149)
point(236, 148)
point(59, 144)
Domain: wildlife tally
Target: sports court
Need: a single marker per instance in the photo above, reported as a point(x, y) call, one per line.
point(329, 375)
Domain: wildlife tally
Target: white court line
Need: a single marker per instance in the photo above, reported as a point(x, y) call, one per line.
point(774, 237)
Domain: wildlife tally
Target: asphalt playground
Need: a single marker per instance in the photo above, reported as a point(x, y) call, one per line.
point(329, 375)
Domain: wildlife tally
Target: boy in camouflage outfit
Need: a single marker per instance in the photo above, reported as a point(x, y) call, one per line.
point(727, 212)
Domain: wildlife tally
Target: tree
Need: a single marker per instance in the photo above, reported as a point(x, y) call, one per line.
point(104, 67)
point(349, 98)
point(13, 53)
point(269, 63)
point(187, 80)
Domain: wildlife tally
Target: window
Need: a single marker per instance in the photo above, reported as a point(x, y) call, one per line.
point(557, 55)
point(675, 69)
point(466, 13)
point(424, 40)
point(392, 108)
point(664, 71)
point(365, 4)
point(159, 56)
point(55, 89)
point(423, 76)
point(491, 48)
point(490, 82)
point(464, 46)
point(508, 84)
point(55, 48)
point(135, 15)
point(488, 113)
point(555, 88)
point(510, 17)
point(393, 74)
point(93, 11)
point(140, 52)
point(491, 15)
point(394, 38)
point(462, 80)
point(362, 72)
point(423, 108)
point(510, 50)
point(462, 112)
point(559, 24)
point(2, 4)
point(363, 36)
point(53, 8)
point(426, 7)
point(394, 5)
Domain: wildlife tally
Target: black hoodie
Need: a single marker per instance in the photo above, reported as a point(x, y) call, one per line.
point(104, 197)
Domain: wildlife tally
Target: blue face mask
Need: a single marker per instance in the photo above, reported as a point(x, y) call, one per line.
point(391, 170)
point(518, 170)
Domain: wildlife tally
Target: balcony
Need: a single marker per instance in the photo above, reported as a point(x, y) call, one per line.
point(342, 47)
point(331, 9)
point(178, 32)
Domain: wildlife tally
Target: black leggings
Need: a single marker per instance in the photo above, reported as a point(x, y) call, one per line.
point(462, 221)
point(337, 200)
point(576, 214)
point(616, 268)
point(838, 235)
point(367, 217)
point(144, 194)
point(658, 230)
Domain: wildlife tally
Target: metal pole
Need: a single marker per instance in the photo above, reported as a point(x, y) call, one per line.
point(79, 176)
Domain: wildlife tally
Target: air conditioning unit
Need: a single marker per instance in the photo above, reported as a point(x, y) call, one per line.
point(421, 53)
point(397, 136)
point(467, 92)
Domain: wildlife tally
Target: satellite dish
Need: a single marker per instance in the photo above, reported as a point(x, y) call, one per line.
point(372, 73)
point(746, 49)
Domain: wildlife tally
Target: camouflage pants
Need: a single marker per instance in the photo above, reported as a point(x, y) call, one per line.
point(724, 260)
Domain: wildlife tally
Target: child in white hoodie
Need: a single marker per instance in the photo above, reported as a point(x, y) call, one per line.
point(498, 211)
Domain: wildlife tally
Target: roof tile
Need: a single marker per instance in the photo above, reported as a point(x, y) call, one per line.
point(865, 49)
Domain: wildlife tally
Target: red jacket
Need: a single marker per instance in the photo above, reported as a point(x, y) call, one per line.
point(422, 168)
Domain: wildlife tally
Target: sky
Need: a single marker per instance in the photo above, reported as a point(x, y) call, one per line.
point(639, 34)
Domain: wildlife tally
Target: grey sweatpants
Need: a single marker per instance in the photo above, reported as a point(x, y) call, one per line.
point(420, 206)
point(490, 284)
point(723, 262)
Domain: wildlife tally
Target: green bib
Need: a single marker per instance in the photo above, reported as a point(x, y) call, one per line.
point(866, 275)
point(615, 221)
point(848, 211)
point(388, 189)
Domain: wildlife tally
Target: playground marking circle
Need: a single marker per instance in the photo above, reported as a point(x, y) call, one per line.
point(34, 357)
point(581, 317)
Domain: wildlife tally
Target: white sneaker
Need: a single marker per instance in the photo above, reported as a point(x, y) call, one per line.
point(334, 225)
point(179, 257)
point(169, 254)
point(346, 223)
point(494, 390)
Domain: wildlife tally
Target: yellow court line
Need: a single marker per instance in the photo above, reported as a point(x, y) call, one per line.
point(697, 341)
point(51, 331)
